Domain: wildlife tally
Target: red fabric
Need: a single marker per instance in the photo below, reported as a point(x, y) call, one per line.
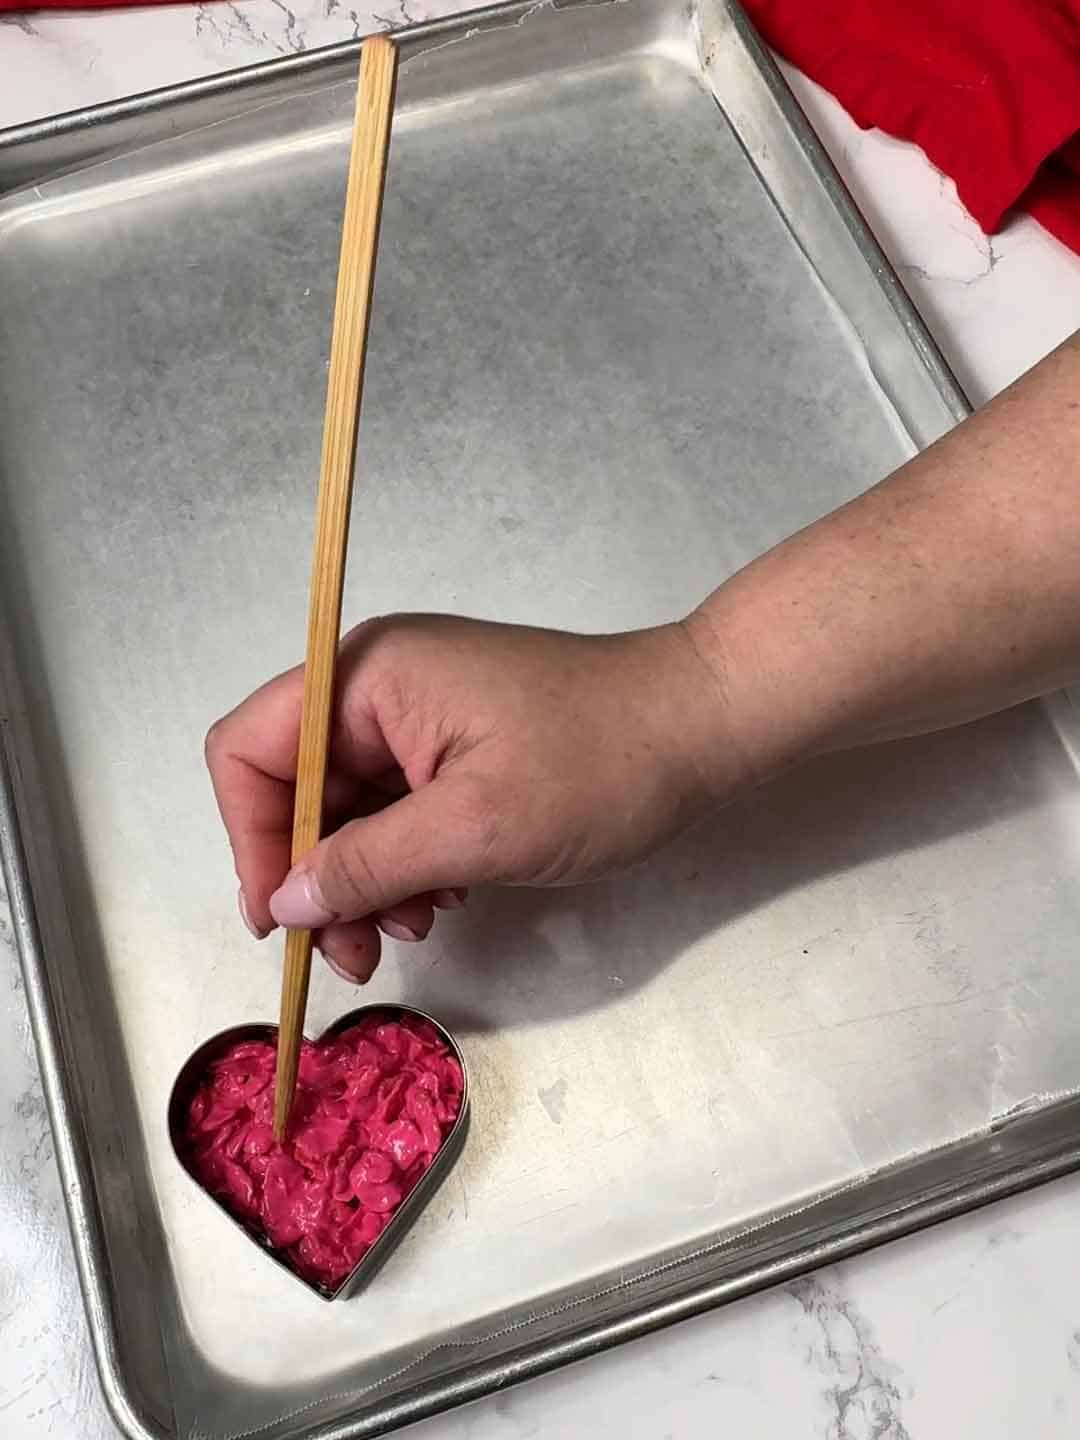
point(990, 89)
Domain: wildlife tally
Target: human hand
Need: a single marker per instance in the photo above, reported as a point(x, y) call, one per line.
point(465, 752)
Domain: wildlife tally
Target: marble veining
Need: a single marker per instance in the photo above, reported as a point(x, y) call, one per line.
point(864, 1389)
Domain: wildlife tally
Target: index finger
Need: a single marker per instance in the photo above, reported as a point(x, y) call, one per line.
point(251, 754)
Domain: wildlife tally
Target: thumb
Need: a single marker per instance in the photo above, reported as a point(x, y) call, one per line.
point(433, 839)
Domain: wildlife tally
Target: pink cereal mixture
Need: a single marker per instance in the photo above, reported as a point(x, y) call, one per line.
point(373, 1106)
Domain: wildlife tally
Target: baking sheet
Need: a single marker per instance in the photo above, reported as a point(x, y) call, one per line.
point(628, 333)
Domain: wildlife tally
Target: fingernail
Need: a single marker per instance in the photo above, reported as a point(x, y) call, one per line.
point(448, 899)
point(342, 973)
point(297, 903)
point(397, 931)
point(366, 968)
point(257, 932)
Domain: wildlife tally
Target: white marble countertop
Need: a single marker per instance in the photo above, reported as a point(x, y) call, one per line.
point(972, 1329)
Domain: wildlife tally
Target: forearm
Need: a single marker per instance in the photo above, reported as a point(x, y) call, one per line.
point(533, 757)
point(949, 591)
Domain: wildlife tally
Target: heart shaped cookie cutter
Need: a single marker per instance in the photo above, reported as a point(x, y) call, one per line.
point(193, 1071)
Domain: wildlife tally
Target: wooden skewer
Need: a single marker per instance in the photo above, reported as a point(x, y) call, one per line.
point(352, 311)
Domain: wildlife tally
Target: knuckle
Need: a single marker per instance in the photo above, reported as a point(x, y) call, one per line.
point(215, 744)
point(362, 634)
point(375, 650)
point(368, 642)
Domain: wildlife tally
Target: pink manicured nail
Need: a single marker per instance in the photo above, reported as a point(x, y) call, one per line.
point(245, 915)
point(342, 973)
point(397, 931)
point(448, 899)
point(297, 903)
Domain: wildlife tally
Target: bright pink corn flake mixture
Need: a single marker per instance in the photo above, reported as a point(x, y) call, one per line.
point(373, 1105)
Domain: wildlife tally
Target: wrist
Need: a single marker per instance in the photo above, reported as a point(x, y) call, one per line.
point(693, 717)
point(754, 723)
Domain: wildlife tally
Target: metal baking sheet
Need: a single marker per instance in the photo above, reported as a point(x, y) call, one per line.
point(629, 331)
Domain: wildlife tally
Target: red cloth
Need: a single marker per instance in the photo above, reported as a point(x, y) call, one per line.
point(990, 89)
